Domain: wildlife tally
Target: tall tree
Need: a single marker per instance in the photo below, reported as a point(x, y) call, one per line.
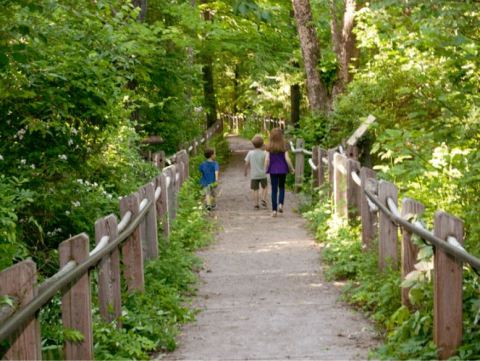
point(210, 100)
point(344, 43)
point(316, 89)
point(142, 4)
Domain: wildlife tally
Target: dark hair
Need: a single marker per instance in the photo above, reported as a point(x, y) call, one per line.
point(277, 142)
point(257, 141)
point(208, 153)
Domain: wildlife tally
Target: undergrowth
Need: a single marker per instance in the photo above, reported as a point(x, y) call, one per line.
point(150, 320)
point(408, 334)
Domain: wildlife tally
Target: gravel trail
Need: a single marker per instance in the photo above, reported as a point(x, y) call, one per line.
point(262, 294)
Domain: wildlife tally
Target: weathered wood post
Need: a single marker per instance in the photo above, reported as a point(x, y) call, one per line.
point(316, 162)
point(132, 250)
point(352, 151)
point(388, 231)
point(162, 203)
point(182, 158)
point(151, 226)
point(369, 218)
point(410, 209)
point(109, 288)
point(331, 172)
point(299, 164)
point(340, 185)
point(194, 146)
point(322, 153)
point(76, 301)
point(170, 173)
point(19, 281)
point(447, 286)
point(353, 189)
point(159, 159)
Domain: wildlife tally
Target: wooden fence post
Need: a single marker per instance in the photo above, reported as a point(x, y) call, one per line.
point(151, 226)
point(448, 279)
point(340, 185)
point(330, 155)
point(315, 160)
point(76, 301)
point(159, 159)
point(182, 157)
point(109, 288)
point(322, 153)
point(369, 218)
point(410, 208)
point(19, 281)
point(388, 239)
point(162, 203)
point(299, 165)
point(132, 248)
point(170, 172)
point(352, 152)
point(353, 190)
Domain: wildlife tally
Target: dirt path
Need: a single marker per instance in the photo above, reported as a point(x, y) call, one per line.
point(263, 296)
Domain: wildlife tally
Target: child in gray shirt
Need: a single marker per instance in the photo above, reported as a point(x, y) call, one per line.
point(255, 161)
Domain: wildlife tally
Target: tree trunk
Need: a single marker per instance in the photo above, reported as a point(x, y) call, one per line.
point(295, 98)
point(316, 90)
point(344, 44)
point(142, 4)
point(236, 89)
point(209, 91)
point(210, 100)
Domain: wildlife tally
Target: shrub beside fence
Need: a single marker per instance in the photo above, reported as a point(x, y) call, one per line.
point(356, 192)
point(120, 246)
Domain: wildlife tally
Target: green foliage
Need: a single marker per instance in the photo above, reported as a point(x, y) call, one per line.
point(80, 84)
point(12, 198)
point(418, 75)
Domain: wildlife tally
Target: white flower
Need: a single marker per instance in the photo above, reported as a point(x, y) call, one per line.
point(23, 161)
point(1, 157)
point(109, 196)
point(74, 131)
point(67, 213)
point(62, 157)
point(70, 141)
point(32, 166)
point(21, 133)
point(80, 181)
point(76, 203)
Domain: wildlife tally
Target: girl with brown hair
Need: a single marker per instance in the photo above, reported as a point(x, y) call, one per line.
point(277, 164)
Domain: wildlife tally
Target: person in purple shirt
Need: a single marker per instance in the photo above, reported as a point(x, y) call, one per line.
point(209, 169)
point(277, 164)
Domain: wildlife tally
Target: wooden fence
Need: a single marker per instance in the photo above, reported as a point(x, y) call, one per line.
point(236, 122)
point(356, 192)
point(120, 245)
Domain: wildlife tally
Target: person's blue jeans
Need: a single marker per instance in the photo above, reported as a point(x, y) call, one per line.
point(278, 189)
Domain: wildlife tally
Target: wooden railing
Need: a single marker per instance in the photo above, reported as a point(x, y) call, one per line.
point(236, 122)
point(125, 244)
point(356, 192)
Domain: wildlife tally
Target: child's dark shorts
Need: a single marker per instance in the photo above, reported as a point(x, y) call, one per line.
point(255, 183)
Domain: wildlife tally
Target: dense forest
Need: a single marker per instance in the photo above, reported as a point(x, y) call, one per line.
point(83, 83)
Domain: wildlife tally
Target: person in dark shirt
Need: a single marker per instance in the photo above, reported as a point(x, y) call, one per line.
point(209, 169)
